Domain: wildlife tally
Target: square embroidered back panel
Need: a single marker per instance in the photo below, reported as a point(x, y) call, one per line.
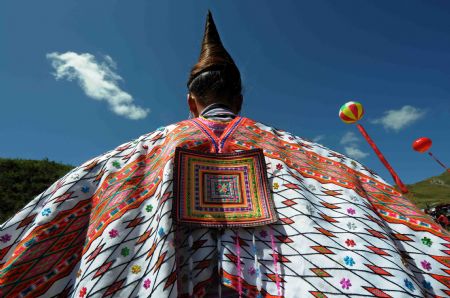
point(221, 189)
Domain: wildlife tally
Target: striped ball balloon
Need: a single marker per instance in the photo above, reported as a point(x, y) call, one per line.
point(351, 112)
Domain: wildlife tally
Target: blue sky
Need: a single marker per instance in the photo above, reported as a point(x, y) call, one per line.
point(299, 60)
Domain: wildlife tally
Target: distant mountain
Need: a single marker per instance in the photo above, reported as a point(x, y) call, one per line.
point(432, 191)
point(21, 180)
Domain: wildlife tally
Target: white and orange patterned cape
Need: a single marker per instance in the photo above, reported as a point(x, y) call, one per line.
point(105, 229)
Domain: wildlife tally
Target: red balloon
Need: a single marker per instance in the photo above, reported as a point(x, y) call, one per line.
point(422, 144)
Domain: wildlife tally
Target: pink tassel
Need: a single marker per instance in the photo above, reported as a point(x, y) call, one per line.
point(275, 262)
point(238, 265)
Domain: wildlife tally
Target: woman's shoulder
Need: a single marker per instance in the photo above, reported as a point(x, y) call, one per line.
point(312, 147)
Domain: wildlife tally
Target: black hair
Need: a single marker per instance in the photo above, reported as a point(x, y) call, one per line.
point(217, 85)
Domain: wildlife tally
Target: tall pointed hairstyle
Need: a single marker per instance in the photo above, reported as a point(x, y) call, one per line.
point(215, 77)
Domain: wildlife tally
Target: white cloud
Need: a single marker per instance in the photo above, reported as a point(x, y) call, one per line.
point(318, 138)
point(354, 152)
point(349, 138)
point(398, 119)
point(351, 146)
point(98, 81)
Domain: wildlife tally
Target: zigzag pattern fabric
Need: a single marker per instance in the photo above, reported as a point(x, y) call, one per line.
point(105, 229)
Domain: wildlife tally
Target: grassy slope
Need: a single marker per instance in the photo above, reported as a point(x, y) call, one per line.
point(22, 180)
point(434, 190)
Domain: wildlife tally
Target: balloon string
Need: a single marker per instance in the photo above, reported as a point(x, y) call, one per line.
point(372, 144)
point(438, 161)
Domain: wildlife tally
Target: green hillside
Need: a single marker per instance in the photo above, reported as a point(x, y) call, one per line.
point(21, 180)
point(431, 191)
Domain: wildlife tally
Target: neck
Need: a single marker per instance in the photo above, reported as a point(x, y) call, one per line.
point(218, 112)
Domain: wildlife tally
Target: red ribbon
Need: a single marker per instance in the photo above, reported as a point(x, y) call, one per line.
point(372, 144)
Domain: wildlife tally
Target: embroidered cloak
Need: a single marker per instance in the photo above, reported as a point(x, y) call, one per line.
point(106, 229)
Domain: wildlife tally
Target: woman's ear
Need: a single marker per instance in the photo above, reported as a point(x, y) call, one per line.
point(192, 105)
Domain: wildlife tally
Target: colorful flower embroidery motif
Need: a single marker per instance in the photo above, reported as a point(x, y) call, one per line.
point(426, 265)
point(116, 164)
point(349, 261)
point(254, 250)
point(354, 199)
point(350, 242)
point(345, 283)
point(149, 208)
point(351, 226)
point(263, 233)
point(427, 285)
point(409, 284)
point(83, 291)
point(85, 189)
point(275, 185)
point(279, 166)
point(427, 241)
point(251, 270)
point(312, 187)
point(161, 232)
point(351, 211)
point(135, 269)
point(113, 233)
point(125, 251)
point(147, 283)
point(46, 212)
point(5, 238)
